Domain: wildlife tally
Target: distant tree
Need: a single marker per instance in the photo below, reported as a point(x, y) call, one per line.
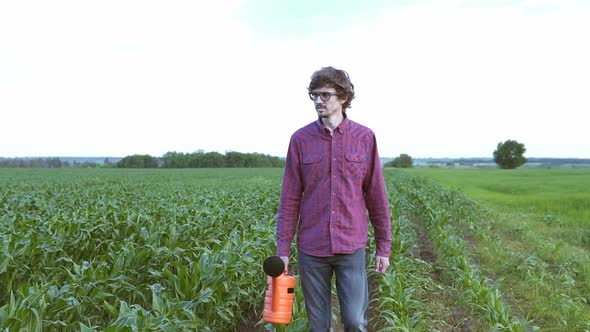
point(214, 159)
point(88, 164)
point(200, 159)
point(138, 161)
point(510, 154)
point(236, 159)
point(403, 161)
point(49, 162)
point(171, 160)
point(106, 163)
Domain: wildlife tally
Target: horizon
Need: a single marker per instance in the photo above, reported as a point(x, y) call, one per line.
point(284, 156)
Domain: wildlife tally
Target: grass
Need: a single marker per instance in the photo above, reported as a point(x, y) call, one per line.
point(559, 193)
point(535, 238)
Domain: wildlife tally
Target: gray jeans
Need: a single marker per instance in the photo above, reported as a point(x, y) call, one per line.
point(351, 284)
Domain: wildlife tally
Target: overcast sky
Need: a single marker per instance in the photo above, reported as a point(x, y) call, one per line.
point(433, 78)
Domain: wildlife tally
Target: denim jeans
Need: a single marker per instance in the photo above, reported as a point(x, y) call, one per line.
point(351, 284)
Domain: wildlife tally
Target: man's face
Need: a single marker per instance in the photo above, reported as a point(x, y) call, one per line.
point(326, 101)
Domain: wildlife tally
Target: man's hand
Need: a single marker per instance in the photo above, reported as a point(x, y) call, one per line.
point(286, 261)
point(381, 264)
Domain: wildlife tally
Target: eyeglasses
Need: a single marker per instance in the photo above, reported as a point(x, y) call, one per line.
point(324, 96)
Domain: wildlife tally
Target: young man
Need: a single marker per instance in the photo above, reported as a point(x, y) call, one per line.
point(332, 178)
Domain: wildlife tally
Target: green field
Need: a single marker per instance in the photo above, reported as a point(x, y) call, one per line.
point(558, 194)
point(170, 250)
point(536, 237)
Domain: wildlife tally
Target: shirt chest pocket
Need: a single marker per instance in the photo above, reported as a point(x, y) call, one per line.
point(312, 167)
point(356, 166)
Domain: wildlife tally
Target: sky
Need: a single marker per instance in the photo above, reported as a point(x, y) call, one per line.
point(433, 78)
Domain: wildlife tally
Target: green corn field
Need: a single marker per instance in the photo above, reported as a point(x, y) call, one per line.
point(182, 250)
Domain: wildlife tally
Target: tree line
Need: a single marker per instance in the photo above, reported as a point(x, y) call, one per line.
point(508, 155)
point(51, 162)
point(199, 159)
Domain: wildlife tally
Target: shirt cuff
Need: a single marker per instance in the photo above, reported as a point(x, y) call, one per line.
point(283, 249)
point(383, 252)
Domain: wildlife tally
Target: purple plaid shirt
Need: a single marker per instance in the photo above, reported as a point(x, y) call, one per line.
point(329, 184)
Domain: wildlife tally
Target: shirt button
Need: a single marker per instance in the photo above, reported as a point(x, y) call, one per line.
point(333, 211)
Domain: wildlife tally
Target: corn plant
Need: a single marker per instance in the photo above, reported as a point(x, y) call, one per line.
point(440, 211)
point(133, 251)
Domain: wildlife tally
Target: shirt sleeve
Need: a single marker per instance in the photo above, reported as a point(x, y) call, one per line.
point(291, 193)
point(377, 201)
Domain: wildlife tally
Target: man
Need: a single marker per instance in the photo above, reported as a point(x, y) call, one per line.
point(332, 177)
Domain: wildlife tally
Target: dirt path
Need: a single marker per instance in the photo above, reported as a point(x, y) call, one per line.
point(456, 318)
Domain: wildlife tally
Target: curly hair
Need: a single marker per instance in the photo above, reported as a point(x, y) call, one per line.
point(334, 78)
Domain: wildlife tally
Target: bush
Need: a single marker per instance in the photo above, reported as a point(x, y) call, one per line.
point(403, 161)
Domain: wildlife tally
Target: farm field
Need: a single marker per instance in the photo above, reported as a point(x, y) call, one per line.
point(560, 193)
point(537, 239)
point(170, 250)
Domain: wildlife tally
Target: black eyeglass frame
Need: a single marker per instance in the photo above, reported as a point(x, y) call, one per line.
point(324, 96)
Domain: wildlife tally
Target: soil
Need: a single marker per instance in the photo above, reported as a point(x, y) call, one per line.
point(375, 324)
point(426, 249)
point(249, 324)
point(458, 319)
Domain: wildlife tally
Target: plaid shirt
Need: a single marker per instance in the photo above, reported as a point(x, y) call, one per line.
point(329, 184)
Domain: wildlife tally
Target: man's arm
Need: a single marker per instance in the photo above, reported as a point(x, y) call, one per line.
point(378, 204)
point(291, 192)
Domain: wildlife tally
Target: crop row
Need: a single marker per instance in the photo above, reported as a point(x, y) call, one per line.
point(405, 290)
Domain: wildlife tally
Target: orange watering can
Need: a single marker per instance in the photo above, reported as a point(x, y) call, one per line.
point(278, 302)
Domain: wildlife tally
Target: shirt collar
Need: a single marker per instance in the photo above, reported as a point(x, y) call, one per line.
point(342, 127)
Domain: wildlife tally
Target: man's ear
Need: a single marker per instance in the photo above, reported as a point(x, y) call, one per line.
point(342, 101)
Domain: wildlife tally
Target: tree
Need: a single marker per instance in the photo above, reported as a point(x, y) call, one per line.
point(510, 154)
point(138, 161)
point(403, 161)
point(201, 159)
point(214, 159)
